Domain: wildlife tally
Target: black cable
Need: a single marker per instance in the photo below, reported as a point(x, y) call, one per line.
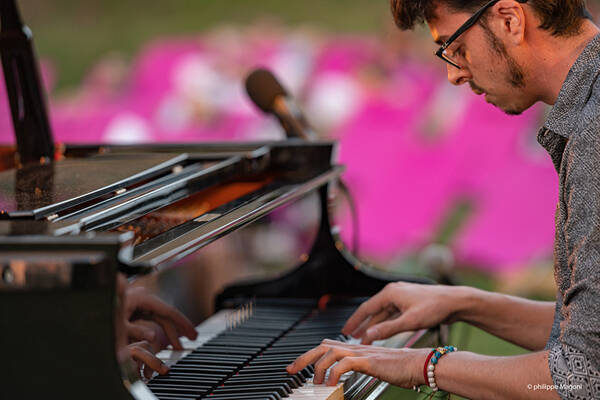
point(353, 215)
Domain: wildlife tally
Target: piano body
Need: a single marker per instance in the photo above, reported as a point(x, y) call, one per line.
point(171, 218)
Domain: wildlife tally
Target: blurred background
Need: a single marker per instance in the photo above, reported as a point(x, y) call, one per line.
point(443, 182)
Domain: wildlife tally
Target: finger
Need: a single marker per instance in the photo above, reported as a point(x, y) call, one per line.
point(121, 285)
point(139, 332)
point(139, 353)
point(158, 307)
point(370, 307)
point(327, 360)
point(344, 365)
point(384, 330)
point(148, 372)
point(171, 332)
point(383, 315)
point(307, 358)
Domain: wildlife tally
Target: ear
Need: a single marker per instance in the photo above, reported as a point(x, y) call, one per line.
point(508, 20)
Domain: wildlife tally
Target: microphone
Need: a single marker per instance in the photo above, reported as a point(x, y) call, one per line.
point(270, 96)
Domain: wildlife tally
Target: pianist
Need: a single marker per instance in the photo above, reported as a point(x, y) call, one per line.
point(515, 53)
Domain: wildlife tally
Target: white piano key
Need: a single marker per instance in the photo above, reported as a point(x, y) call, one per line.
point(221, 321)
point(322, 392)
point(139, 391)
point(311, 391)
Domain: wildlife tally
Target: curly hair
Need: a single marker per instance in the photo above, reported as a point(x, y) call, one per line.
point(559, 17)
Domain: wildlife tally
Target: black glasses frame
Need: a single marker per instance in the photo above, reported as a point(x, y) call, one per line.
point(469, 23)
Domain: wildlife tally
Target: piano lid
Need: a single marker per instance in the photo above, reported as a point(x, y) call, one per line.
point(173, 205)
point(38, 190)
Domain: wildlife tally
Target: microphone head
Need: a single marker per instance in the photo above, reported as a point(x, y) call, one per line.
point(262, 88)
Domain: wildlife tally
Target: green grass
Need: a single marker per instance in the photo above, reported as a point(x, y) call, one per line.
point(75, 34)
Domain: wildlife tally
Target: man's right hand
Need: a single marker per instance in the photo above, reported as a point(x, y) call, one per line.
point(153, 309)
point(402, 306)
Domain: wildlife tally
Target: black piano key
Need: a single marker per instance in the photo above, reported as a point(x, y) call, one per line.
point(200, 369)
point(190, 375)
point(256, 346)
point(191, 386)
point(290, 381)
point(262, 333)
point(184, 381)
point(224, 350)
point(243, 362)
point(191, 363)
point(281, 390)
point(259, 366)
point(281, 360)
point(178, 390)
point(222, 357)
point(312, 333)
point(273, 359)
point(288, 349)
point(306, 372)
point(266, 375)
point(278, 361)
point(209, 361)
point(271, 367)
point(268, 396)
point(275, 383)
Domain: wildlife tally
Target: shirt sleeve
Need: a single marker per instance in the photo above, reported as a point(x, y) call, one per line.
point(575, 361)
point(572, 374)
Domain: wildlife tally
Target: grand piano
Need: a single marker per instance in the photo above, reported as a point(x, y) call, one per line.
point(180, 220)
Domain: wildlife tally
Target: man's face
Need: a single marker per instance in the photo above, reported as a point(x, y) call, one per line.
point(486, 64)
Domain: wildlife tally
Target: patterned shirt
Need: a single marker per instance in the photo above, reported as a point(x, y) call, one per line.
point(571, 135)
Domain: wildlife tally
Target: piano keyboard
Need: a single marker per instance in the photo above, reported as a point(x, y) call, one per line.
point(247, 361)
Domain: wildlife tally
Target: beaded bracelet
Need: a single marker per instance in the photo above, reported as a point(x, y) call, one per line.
point(431, 361)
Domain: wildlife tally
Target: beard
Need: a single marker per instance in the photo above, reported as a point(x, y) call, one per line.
point(509, 110)
point(514, 74)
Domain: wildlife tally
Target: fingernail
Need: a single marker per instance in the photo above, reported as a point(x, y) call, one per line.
point(149, 336)
point(372, 333)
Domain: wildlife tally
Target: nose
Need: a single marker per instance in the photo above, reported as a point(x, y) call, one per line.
point(458, 76)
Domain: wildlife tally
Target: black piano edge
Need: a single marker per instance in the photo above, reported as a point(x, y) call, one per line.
point(329, 270)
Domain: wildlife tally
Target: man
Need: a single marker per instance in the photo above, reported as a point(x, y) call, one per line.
point(515, 53)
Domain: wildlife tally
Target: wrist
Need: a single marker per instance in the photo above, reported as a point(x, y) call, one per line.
point(421, 356)
point(466, 303)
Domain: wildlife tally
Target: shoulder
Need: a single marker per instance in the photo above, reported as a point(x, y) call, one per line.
point(590, 112)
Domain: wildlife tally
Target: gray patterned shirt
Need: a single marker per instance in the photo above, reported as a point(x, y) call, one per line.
point(571, 135)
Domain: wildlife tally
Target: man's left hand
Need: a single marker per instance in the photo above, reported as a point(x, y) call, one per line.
point(400, 367)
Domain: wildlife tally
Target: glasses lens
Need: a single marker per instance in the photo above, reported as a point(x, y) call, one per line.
point(449, 59)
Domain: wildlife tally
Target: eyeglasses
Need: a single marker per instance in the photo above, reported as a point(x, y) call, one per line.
point(441, 53)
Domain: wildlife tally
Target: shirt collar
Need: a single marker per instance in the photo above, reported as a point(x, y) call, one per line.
point(575, 91)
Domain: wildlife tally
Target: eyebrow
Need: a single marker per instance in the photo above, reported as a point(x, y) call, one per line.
point(441, 40)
